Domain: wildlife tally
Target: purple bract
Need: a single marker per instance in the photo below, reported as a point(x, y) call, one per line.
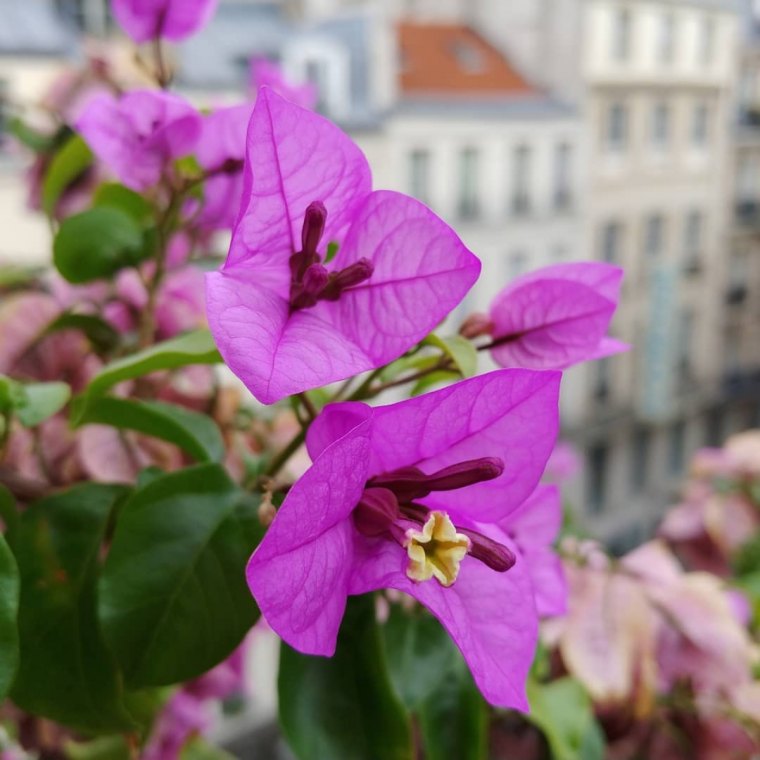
point(145, 20)
point(556, 317)
point(137, 135)
point(285, 317)
point(412, 497)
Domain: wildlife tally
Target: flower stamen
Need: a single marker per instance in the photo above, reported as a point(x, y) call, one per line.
point(436, 551)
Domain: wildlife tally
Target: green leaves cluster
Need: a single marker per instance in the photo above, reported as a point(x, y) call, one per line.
point(123, 590)
point(109, 594)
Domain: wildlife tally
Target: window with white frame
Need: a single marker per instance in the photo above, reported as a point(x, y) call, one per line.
point(522, 161)
point(693, 240)
point(611, 242)
point(621, 34)
point(700, 125)
point(563, 180)
point(469, 170)
point(654, 234)
point(707, 37)
point(660, 126)
point(419, 175)
point(616, 128)
point(667, 39)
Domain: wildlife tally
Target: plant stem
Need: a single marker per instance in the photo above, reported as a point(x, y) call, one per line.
point(311, 410)
point(281, 459)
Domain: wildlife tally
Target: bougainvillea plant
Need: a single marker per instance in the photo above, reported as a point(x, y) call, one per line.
point(365, 492)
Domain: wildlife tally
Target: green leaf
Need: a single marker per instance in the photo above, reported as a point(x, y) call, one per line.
point(104, 748)
point(194, 433)
point(332, 251)
point(419, 653)
point(9, 602)
point(200, 749)
point(66, 672)
point(103, 337)
point(434, 378)
point(191, 348)
point(9, 513)
point(114, 195)
point(41, 401)
point(39, 142)
point(432, 679)
point(459, 349)
point(344, 706)
point(97, 243)
point(454, 720)
point(414, 363)
point(563, 711)
point(32, 403)
point(67, 165)
point(173, 597)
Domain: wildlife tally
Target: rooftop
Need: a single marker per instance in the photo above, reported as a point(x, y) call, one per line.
point(453, 59)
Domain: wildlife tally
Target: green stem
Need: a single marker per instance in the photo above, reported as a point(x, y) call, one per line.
point(281, 459)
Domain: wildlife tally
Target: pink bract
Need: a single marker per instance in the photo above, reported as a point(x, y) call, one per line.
point(556, 317)
point(137, 135)
point(145, 20)
point(398, 271)
point(314, 556)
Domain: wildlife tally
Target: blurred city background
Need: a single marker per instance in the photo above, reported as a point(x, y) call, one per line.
point(544, 131)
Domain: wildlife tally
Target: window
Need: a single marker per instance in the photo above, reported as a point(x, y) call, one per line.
point(693, 240)
point(707, 41)
point(654, 236)
point(700, 125)
point(666, 51)
point(611, 242)
point(317, 74)
point(598, 457)
point(677, 447)
point(640, 459)
point(660, 126)
point(563, 177)
point(621, 37)
point(419, 175)
point(468, 184)
point(521, 180)
point(617, 128)
point(685, 340)
point(602, 380)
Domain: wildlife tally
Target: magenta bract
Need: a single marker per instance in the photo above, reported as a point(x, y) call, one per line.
point(145, 20)
point(534, 527)
point(266, 73)
point(556, 317)
point(286, 319)
point(459, 461)
point(220, 152)
point(137, 135)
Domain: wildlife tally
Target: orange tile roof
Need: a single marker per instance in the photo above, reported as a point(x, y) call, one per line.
point(454, 59)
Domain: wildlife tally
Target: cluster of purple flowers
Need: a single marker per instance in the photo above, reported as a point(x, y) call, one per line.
point(437, 496)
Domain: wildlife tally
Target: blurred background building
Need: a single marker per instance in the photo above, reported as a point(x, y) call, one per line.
point(545, 131)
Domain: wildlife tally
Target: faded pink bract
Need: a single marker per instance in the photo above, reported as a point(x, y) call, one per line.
point(420, 269)
point(313, 556)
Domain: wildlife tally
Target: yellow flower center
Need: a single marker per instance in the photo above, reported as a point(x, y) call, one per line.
point(436, 551)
